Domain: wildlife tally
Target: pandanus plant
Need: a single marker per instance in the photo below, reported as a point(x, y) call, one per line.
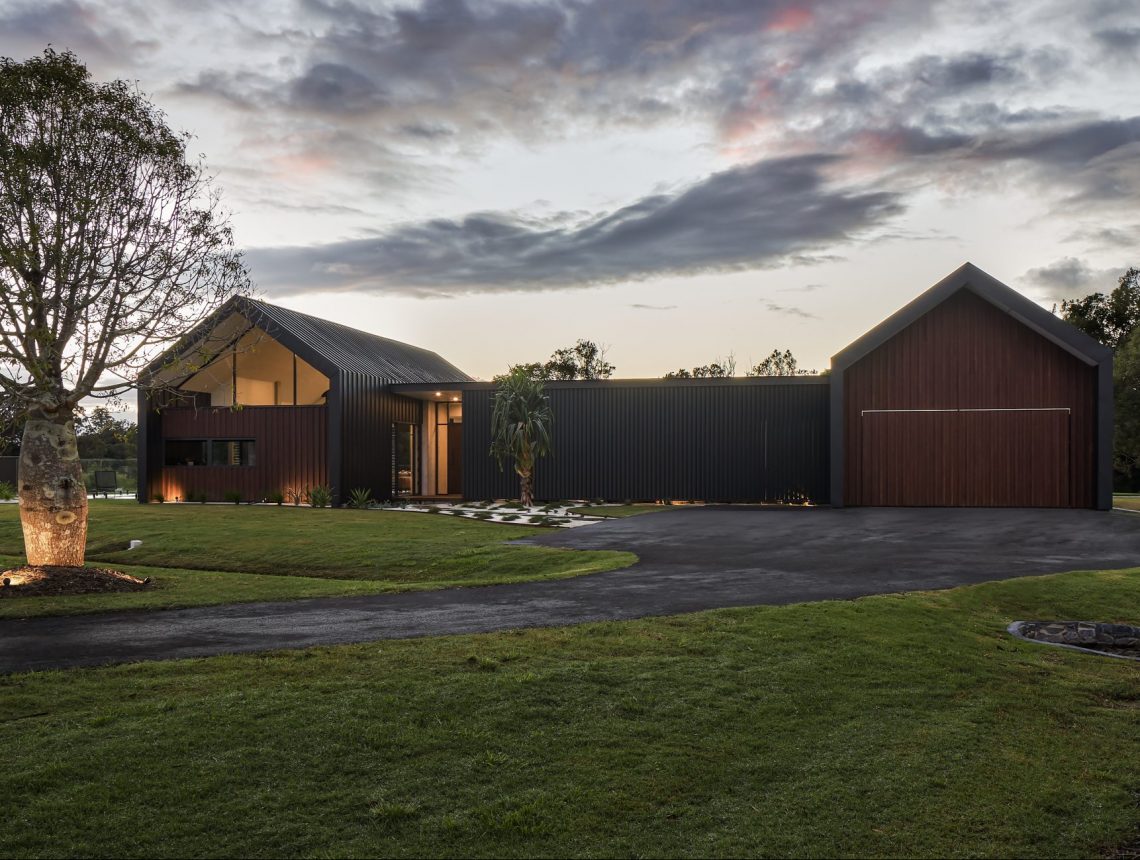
point(520, 426)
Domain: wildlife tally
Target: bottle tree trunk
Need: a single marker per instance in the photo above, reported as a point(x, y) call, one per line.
point(53, 497)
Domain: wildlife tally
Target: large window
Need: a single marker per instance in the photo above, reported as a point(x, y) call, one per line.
point(405, 460)
point(210, 452)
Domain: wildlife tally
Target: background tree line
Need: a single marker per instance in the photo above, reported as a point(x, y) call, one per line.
point(1114, 319)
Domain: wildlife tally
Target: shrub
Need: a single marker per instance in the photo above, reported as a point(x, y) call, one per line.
point(275, 497)
point(360, 498)
point(296, 494)
point(232, 496)
point(7, 491)
point(507, 518)
point(482, 515)
point(159, 497)
point(319, 496)
point(194, 496)
point(434, 510)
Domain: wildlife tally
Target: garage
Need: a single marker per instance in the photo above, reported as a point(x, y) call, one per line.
point(972, 396)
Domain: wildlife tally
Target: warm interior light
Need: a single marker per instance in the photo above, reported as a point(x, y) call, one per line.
point(439, 394)
point(456, 399)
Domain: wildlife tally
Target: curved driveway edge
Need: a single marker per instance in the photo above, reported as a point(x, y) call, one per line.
point(691, 559)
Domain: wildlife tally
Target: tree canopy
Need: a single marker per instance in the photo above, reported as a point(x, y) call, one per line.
point(779, 364)
point(1112, 317)
point(584, 360)
point(112, 243)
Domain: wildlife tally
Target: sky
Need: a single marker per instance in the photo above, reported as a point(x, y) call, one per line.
point(676, 180)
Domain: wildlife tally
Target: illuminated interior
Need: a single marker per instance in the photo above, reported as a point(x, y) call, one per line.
point(256, 370)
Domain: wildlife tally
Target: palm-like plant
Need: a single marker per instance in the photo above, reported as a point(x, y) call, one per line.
point(520, 426)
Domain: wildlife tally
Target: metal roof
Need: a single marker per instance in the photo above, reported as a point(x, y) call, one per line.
point(329, 347)
point(970, 277)
point(351, 349)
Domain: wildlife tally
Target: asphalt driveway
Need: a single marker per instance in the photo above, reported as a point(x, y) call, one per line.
point(691, 559)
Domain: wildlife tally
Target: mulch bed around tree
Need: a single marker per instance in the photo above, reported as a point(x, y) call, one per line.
point(51, 581)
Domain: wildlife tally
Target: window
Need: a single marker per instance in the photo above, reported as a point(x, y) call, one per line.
point(185, 452)
point(210, 452)
point(232, 452)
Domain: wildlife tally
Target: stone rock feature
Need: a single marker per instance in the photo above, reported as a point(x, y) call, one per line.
point(1118, 640)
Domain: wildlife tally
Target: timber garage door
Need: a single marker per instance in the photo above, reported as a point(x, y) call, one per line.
point(966, 457)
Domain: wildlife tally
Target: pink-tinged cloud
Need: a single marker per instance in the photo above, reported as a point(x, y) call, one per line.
point(791, 20)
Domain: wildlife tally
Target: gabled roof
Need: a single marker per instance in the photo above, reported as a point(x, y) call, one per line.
point(970, 277)
point(331, 347)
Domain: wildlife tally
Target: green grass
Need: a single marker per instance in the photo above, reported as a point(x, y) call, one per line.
point(892, 725)
point(618, 510)
point(1128, 501)
point(175, 588)
point(381, 551)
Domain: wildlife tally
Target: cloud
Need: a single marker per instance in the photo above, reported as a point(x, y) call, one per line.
point(743, 218)
point(789, 311)
point(642, 307)
point(30, 27)
point(1071, 277)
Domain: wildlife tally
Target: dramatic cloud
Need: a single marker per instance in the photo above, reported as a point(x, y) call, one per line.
point(745, 217)
point(1071, 277)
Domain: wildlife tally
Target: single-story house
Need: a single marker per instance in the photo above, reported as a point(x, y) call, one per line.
point(971, 395)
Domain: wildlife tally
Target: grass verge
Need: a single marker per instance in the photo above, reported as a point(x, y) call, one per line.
point(888, 726)
point(618, 510)
point(403, 551)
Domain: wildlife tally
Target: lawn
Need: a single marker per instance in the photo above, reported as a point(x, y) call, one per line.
point(1128, 501)
point(381, 551)
point(887, 726)
point(618, 510)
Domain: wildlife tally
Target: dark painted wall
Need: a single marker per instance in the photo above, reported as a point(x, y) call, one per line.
point(967, 354)
point(711, 440)
point(366, 414)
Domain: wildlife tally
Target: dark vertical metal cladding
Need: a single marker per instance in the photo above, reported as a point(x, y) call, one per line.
point(712, 440)
point(368, 412)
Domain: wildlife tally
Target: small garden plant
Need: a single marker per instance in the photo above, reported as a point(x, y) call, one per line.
point(360, 498)
point(232, 496)
point(319, 496)
point(7, 491)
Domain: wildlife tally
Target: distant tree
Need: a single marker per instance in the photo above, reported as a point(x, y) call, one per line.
point(11, 427)
point(1114, 320)
point(584, 360)
point(722, 368)
point(1126, 384)
point(779, 364)
point(100, 435)
point(1108, 318)
point(521, 422)
point(112, 247)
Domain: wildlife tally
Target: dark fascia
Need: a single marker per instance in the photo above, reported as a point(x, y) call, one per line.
point(652, 382)
point(970, 277)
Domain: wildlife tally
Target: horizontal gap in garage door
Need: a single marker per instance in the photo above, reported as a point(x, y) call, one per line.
point(1019, 409)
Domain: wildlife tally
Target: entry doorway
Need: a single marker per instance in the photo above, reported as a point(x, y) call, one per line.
point(443, 473)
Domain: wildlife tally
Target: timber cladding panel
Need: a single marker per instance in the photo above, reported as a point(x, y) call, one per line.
point(712, 440)
point(290, 451)
point(1012, 416)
